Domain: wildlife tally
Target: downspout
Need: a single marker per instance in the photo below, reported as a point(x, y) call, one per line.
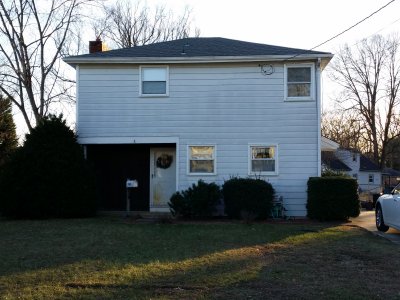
point(77, 101)
point(318, 97)
point(77, 110)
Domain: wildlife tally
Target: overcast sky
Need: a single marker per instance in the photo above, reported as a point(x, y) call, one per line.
point(293, 23)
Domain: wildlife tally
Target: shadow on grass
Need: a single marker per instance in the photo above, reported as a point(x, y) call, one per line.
point(331, 263)
point(31, 245)
point(101, 258)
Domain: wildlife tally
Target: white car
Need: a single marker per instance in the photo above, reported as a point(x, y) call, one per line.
point(387, 210)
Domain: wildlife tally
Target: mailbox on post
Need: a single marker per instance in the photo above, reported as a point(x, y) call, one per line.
point(130, 184)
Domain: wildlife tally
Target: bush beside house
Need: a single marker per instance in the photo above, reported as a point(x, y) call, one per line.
point(244, 198)
point(200, 200)
point(332, 198)
point(48, 176)
point(247, 198)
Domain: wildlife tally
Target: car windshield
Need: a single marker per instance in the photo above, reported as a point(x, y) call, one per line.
point(396, 190)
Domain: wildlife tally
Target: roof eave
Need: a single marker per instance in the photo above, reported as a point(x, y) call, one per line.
point(370, 170)
point(73, 61)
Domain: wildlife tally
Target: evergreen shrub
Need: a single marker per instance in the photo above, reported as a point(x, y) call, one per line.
point(48, 176)
point(332, 198)
point(247, 196)
point(199, 200)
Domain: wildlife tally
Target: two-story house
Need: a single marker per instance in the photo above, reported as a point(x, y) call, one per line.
point(171, 113)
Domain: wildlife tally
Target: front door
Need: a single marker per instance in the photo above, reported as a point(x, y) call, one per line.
point(162, 177)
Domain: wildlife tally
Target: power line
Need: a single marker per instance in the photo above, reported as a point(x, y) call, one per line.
point(395, 21)
point(344, 31)
point(351, 27)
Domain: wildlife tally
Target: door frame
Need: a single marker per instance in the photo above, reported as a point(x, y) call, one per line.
point(151, 162)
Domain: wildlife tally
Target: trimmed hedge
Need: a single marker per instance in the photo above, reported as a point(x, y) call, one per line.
point(199, 200)
point(332, 198)
point(48, 176)
point(247, 198)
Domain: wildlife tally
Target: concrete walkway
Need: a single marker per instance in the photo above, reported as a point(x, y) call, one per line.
point(366, 220)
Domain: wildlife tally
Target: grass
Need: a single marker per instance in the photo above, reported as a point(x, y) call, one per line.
point(112, 259)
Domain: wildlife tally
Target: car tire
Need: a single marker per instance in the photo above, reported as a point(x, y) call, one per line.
point(380, 223)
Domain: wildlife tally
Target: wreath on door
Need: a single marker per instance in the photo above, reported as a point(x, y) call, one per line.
point(164, 161)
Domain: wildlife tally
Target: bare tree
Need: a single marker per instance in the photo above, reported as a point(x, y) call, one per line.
point(33, 37)
point(129, 25)
point(345, 128)
point(370, 77)
point(393, 154)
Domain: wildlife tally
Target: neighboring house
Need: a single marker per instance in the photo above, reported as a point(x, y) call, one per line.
point(171, 113)
point(352, 163)
point(367, 173)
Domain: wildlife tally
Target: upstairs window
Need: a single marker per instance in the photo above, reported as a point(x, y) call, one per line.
point(202, 160)
point(154, 81)
point(299, 82)
point(263, 160)
point(370, 178)
point(354, 156)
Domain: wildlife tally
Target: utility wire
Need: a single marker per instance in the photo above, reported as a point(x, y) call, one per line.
point(351, 27)
point(395, 21)
point(344, 31)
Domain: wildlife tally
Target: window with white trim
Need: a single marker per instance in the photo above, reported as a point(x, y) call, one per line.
point(299, 81)
point(263, 159)
point(154, 81)
point(201, 160)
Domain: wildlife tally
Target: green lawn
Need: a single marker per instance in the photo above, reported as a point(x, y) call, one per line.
point(112, 259)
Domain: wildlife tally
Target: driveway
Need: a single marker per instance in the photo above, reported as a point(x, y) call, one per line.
point(366, 220)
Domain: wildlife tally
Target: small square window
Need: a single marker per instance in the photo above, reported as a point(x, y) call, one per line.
point(371, 178)
point(299, 82)
point(154, 81)
point(202, 160)
point(263, 160)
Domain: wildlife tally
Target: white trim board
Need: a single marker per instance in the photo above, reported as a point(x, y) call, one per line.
point(129, 140)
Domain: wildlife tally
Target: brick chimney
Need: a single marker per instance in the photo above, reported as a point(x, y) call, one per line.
point(95, 46)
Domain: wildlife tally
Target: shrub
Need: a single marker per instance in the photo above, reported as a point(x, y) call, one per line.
point(47, 176)
point(180, 206)
point(247, 197)
point(332, 198)
point(199, 200)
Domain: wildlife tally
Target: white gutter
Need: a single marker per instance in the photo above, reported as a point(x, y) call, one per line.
point(77, 99)
point(75, 60)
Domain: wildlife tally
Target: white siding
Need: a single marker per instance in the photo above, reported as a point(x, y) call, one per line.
point(370, 187)
point(228, 105)
point(350, 159)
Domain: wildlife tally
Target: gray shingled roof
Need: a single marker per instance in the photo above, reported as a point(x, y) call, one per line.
point(332, 162)
point(367, 165)
point(390, 172)
point(200, 47)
